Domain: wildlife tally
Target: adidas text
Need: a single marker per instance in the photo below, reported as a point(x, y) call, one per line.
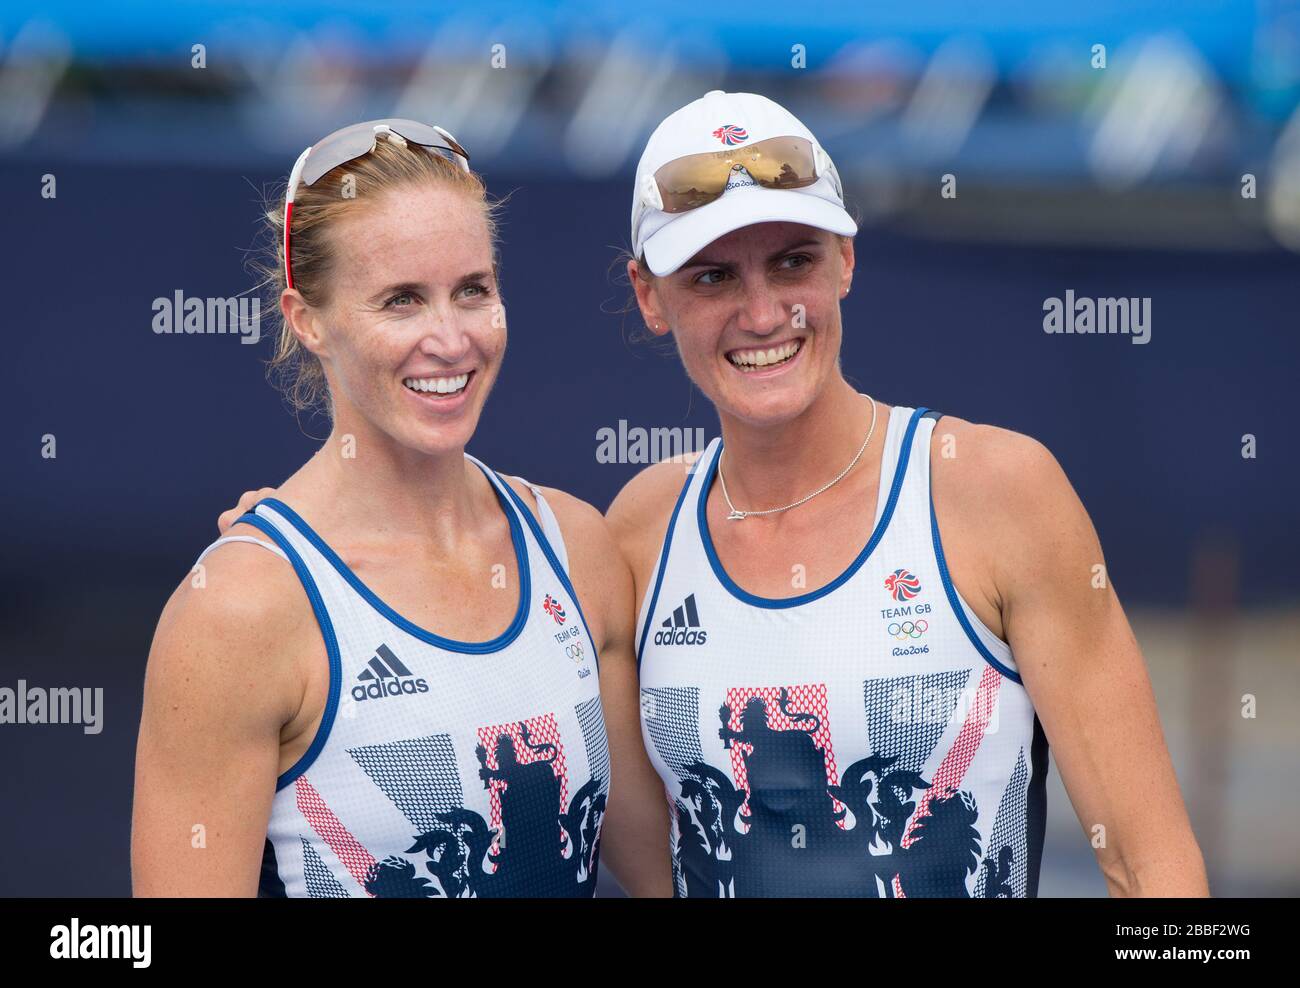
point(381, 688)
point(681, 636)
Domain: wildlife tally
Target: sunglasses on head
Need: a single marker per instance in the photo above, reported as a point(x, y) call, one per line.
point(350, 143)
point(698, 179)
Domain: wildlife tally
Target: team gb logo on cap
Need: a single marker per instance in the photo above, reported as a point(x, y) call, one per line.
point(731, 135)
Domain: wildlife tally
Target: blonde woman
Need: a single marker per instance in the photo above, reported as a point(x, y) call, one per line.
point(388, 680)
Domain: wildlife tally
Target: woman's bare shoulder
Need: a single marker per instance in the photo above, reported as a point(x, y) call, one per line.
point(236, 608)
point(648, 498)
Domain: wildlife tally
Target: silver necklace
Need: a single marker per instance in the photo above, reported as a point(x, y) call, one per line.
point(737, 515)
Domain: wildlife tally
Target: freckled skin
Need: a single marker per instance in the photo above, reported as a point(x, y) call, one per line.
point(1016, 536)
point(749, 301)
point(369, 341)
point(413, 294)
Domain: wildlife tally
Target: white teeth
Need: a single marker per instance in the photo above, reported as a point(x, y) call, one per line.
point(437, 385)
point(749, 359)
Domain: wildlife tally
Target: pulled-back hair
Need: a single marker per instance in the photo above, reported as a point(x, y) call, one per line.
point(394, 163)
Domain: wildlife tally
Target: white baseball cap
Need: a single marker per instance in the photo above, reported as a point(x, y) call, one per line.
point(713, 122)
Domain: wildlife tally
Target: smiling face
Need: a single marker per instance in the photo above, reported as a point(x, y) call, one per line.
point(756, 317)
point(413, 333)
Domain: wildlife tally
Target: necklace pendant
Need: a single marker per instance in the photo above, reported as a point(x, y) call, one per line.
point(736, 515)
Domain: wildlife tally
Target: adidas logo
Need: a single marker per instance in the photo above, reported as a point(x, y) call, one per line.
point(385, 675)
point(683, 628)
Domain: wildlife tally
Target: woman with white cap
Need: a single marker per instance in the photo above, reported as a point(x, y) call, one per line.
point(839, 701)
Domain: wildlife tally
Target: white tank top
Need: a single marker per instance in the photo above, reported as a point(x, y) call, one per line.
point(868, 738)
point(443, 768)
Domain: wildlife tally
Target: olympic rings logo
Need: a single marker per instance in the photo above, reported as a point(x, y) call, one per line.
point(909, 629)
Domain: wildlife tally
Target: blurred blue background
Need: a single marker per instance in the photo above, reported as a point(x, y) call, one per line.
point(1117, 179)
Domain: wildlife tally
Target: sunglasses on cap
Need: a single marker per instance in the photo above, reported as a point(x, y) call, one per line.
point(350, 143)
point(698, 179)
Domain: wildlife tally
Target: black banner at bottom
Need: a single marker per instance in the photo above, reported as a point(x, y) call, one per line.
point(206, 936)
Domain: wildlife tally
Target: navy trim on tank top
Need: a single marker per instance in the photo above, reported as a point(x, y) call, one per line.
point(663, 561)
point(549, 552)
point(951, 592)
point(778, 602)
point(331, 647)
point(449, 644)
